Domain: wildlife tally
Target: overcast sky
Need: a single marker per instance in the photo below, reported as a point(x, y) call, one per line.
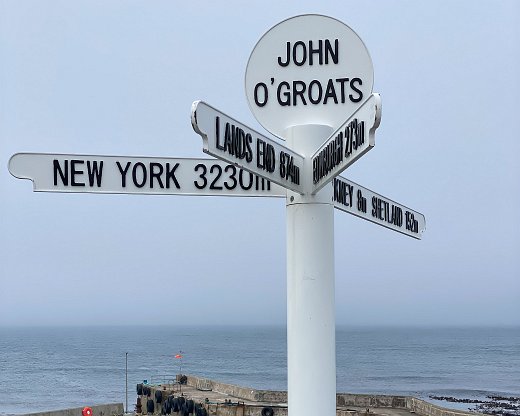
point(119, 78)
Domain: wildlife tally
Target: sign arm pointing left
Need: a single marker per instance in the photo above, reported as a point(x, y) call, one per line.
point(138, 175)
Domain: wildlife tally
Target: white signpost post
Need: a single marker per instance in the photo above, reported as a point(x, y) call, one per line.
point(309, 81)
point(306, 77)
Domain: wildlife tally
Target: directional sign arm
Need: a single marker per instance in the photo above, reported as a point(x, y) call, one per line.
point(138, 175)
point(227, 139)
point(347, 144)
point(354, 199)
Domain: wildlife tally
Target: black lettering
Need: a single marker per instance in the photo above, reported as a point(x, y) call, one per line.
point(286, 94)
point(361, 202)
point(397, 215)
point(235, 136)
point(342, 82)
point(411, 223)
point(287, 56)
point(156, 175)
point(241, 145)
point(170, 175)
point(270, 160)
point(249, 151)
point(241, 180)
point(282, 164)
point(330, 92)
point(335, 195)
point(303, 54)
point(334, 54)
point(74, 172)
point(258, 101)
point(235, 145)
point(227, 137)
point(217, 133)
point(359, 92)
point(297, 92)
point(94, 172)
point(385, 208)
point(328, 158)
point(63, 175)
point(219, 174)
point(298, 52)
point(320, 91)
point(343, 192)
point(123, 172)
point(144, 175)
point(260, 148)
point(233, 170)
point(202, 176)
point(339, 148)
point(262, 184)
point(319, 51)
point(354, 136)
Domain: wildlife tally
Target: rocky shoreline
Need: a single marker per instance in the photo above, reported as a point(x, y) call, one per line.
point(496, 405)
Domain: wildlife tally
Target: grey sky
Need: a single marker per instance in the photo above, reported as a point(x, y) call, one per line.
point(118, 78)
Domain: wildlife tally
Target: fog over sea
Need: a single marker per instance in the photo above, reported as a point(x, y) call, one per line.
point(52, 368)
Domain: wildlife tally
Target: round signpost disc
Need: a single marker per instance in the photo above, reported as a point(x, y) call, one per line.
point(308, 69)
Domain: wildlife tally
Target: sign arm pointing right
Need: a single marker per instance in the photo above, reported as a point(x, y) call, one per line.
point(347, 144)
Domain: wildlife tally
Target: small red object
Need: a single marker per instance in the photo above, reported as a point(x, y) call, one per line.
point(87, 411)
point(178, 356)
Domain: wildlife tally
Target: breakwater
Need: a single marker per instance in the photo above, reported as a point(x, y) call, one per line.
point(111, 409)
point(210, 397)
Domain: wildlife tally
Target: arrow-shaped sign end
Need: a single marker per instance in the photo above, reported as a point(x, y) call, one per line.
point(377, 117)
point(196, 108)
point(19, 167)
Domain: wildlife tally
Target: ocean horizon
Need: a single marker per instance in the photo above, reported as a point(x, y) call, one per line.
point(55, 367)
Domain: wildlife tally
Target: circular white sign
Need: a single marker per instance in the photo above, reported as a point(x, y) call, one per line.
point(308, 69)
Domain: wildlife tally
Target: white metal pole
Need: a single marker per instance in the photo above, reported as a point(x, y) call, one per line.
point(311, 338)
point(126, 380)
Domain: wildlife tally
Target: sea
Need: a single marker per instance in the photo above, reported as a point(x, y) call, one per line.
point(49, 368)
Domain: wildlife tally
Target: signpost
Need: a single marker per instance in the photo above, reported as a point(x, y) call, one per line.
point(309, 81)
point(304, 77)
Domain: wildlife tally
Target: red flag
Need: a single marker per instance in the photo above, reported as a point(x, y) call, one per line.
point(178, 356)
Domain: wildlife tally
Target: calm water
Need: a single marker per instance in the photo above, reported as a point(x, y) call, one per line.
point(85, 366)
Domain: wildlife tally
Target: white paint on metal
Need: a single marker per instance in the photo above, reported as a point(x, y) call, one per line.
point(308, 69)
point(311, 357)
point(357, 200)
point(355, 137)
point(138, 175)
point(233, 142)
point(304, 77)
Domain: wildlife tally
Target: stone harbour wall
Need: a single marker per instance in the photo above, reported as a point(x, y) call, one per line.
point(111, 409)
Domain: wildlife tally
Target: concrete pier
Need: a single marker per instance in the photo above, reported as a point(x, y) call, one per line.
point(221, 399)
point(111, 409)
